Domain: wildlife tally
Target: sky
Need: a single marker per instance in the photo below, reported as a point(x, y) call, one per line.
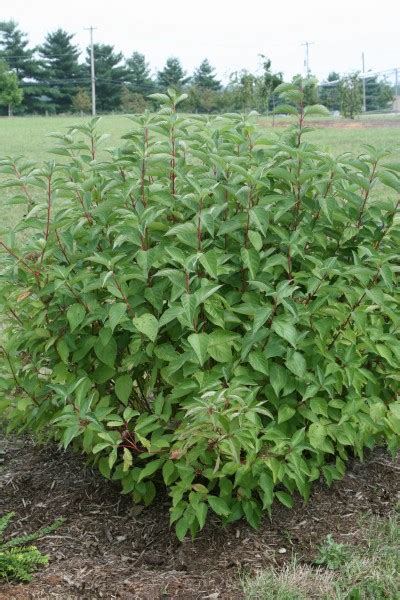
point(229, 33)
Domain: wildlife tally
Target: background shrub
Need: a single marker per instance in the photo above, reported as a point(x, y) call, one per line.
point(206, 304)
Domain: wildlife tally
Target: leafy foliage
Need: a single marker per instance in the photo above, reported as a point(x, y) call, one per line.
point(208, 305)
point(17, 561)
point(10, 93)
point(331, 554)
point(350, 94)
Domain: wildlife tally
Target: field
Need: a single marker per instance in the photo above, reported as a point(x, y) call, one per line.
point(29, 135)
point(109, 548)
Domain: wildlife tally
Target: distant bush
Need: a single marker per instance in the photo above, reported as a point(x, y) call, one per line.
point(213, 306)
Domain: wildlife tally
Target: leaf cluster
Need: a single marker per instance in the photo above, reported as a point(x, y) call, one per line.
point(206, 305)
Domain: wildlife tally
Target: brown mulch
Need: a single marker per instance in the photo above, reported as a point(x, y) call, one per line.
point(109, 548)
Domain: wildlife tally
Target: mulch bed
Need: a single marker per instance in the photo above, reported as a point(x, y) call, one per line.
point(109, 548)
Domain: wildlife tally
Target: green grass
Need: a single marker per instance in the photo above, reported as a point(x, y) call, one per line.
point(28, 135)
point(368, 570)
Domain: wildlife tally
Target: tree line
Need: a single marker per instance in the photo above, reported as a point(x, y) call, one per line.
point(54, 78)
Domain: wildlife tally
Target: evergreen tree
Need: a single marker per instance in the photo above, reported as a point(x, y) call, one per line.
point(329, 94)
point(204, 77)
point(20, 59)
point(172, 75)
point(10, 92)
point(379, 94)
point(60, 72)
point(138, 74)
point(110, 76)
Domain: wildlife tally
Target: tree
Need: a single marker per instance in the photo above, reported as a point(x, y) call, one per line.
point(204, 77)
point(82, 101)
point(20, 59)
point(10, 93)
point(138, 74)
point(266, 85)
point(110, 76)
point(132, 102)
point(379, 94)
point(172, 75)
point(350, 93)
point(329, 92)
point(60, 71)
point(203, 100)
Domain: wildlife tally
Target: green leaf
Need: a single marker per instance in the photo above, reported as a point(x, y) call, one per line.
point(168, 471)
point(209, 261)
point(127, 459)
point(285, 498)
point(297, 364)
point(201, 510)
point(199, 343)
point(181, 528)
point(219, 506)
point(259, 362)
point(123, 388)
point(277, 377)
point(251, 261)
point(285, 330)
point(106, 353)
point(148, 325)
point(255, 240)
point(63, 350)
point(285, 413)
point(390, 180)
point(317, 434)
point(219, 346)
point(267, 485)
point(150, 468)
point(75, 315)
point(117, 314)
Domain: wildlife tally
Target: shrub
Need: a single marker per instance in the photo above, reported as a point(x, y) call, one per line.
point(211, 305)
point(17, 560)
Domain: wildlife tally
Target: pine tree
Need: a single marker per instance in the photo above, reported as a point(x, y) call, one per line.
point(172, 75)
point(60, 72)
point(110, 76)
point(204, 77)
point(329, 94)
point(138, 74)
point(20, 59)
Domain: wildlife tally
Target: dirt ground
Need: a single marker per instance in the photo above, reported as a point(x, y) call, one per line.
point(341, 123)
point(109, 548)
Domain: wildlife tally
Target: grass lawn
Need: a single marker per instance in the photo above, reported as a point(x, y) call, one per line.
point(29, 135)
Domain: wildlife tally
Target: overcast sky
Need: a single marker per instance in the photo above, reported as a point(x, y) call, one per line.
point(229, 33)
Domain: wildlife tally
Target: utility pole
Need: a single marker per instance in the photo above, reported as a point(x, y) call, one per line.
point(92, 73)
point(307, 59)
point(396, 90)
point(363, 83)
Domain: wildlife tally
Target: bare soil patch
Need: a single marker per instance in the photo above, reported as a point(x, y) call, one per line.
point(110, 548)
point(340, 123)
